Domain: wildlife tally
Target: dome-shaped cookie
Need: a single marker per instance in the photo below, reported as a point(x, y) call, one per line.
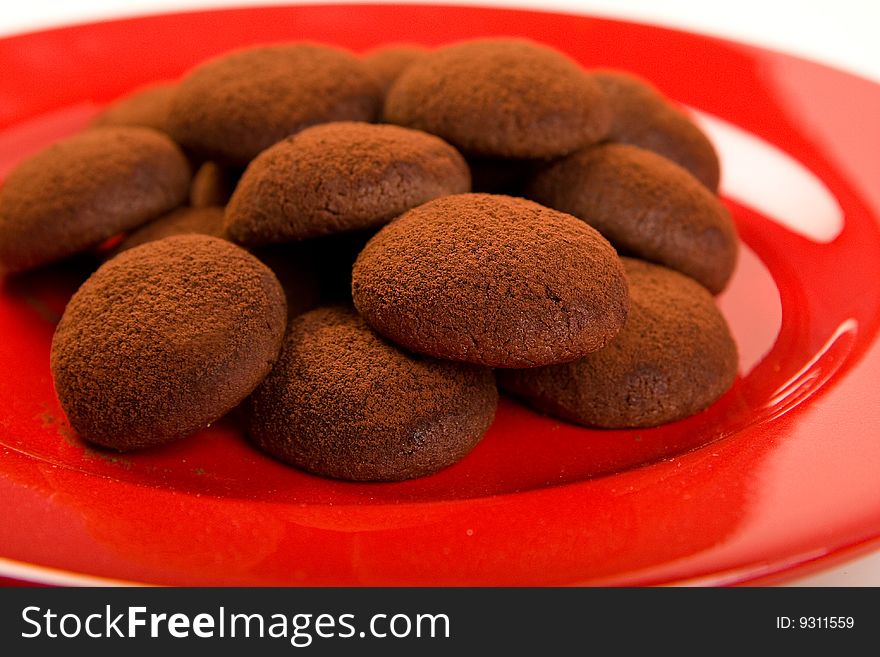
point(147, 107)
point(183, 221)
point(339, 177)
point(646, 206)
point(82, 190)
point(491, 280)
point(641, 116)
point(388, 62)
point(232, 107)
point(164, 339)
point(674, 357)
point(342, 402)
point(501, 97)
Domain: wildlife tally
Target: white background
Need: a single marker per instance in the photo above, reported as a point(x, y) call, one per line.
point(841, 33)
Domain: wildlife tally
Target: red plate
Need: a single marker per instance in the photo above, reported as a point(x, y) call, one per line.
point(781, 472)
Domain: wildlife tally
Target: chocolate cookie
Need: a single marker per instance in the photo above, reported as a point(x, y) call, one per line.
point(643, 117)
point(646, 206)
point(165, 339)
point(212, 185)
point(501, 98)
point(183, 221)
point(341, 402)
point(232, 107)
point(387, 63)
point(340, 177)
point(491, 280)
point(147, 107)
point(674, 357)
point(80, 191)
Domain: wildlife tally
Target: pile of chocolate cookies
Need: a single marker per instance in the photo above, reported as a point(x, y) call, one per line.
point(356, 252)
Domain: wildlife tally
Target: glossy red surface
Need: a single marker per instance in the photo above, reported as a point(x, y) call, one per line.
point(781, 472)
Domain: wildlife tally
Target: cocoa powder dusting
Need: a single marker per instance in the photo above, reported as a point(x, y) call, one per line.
point(164, 339)
point(340, 177)
point(501, 98)
point(674, 357)
point(644, 118)
point(232, 107)
point(85, 189)
point(342, 402)
point(647, 206)
point(493, 280)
